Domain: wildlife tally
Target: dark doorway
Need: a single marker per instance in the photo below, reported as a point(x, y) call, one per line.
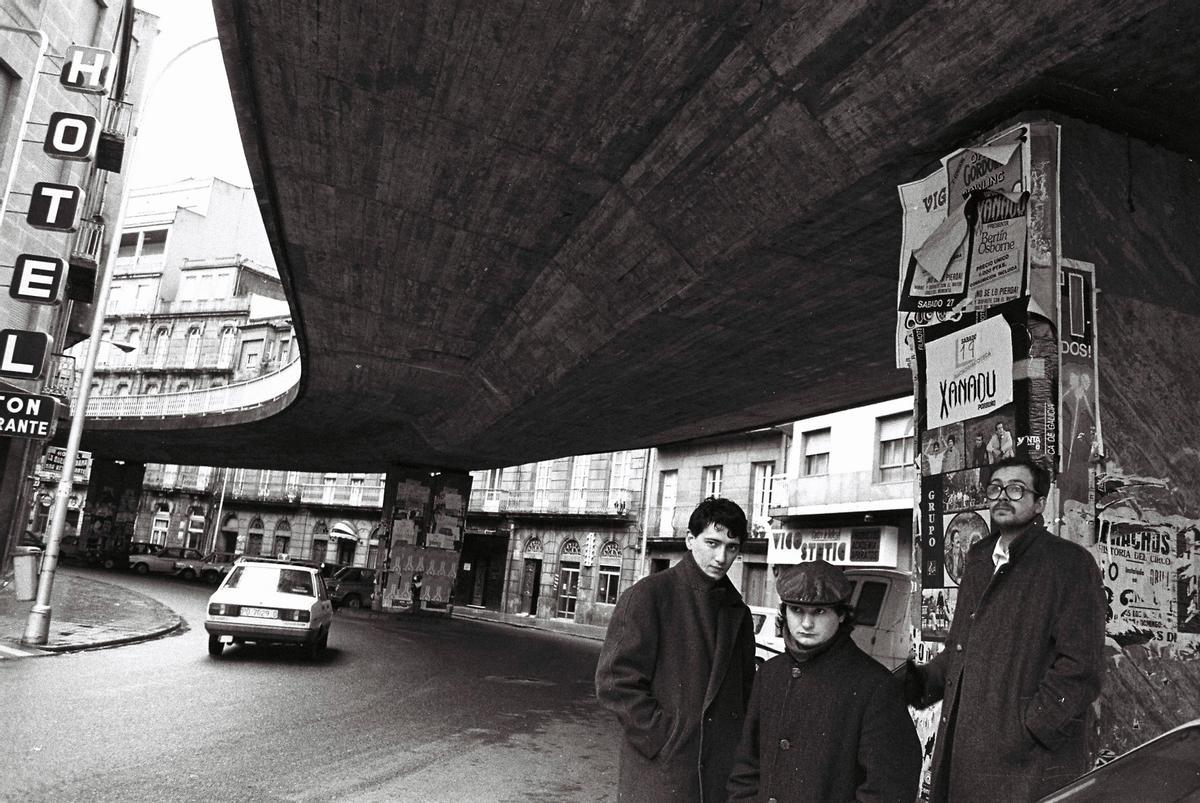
point(531, 583)
point(659, 564)
point(481, 571)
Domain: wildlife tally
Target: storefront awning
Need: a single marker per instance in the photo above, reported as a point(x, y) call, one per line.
point(344, 531)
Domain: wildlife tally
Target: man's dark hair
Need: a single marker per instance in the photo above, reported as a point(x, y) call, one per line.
point(1041, 477)
point(715, 510)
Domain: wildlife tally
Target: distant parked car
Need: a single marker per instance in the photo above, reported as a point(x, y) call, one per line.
point(270, 601)
point(768, 641)
point(163, 561)
point(213, 568)
point(352, 587)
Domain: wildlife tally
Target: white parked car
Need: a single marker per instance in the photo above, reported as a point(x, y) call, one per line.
point(270, 601)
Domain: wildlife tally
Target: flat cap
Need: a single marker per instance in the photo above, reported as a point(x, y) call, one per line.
point(815, 582)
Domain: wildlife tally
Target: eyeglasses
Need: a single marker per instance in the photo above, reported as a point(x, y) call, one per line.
point(1014, 491)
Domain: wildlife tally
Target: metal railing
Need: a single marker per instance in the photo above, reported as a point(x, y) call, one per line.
point(590, 501)
point(843, 487)
point(340, 493)
point(177, 307)
point(245, 395)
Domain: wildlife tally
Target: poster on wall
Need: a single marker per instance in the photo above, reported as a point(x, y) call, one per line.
point(1187, 579)
point(965, 237)
point(1079, 423)
point(436, 569)
point(1137, 560)
point(968, 373)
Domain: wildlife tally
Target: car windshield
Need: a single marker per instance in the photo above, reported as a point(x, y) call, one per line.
point(272, 579)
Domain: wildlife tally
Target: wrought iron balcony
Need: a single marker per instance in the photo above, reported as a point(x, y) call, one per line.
point(590, 501)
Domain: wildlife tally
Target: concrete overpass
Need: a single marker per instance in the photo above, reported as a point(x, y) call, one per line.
point(509, 232)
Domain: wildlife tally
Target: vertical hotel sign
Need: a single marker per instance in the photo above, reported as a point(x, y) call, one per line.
point(54, 207)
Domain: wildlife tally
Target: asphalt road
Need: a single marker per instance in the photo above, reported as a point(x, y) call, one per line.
point(423, 709)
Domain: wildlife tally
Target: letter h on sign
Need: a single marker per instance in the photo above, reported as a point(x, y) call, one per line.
point(88, 69)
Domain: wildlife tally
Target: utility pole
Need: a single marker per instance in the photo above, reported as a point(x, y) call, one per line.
point(37, 628)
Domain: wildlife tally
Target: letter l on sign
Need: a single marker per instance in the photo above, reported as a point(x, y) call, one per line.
point(23, 353)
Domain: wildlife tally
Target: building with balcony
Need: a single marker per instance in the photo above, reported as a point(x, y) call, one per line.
point(195, 301)
point(329, 518)
point(848, 488)
point(743, 467)
point(559, 539)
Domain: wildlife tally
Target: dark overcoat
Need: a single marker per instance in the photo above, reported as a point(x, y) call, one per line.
point(1022, 665)
point(830, 729)
point(678, 683)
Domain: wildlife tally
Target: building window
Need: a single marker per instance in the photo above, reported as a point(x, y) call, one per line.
point(320, 548)
point(896, 448)
point(763, 487)
point(712, 481)
point(191, 357)
point(580, 467)
point(162, 524)
point(225, 350)
point(254, 544)
point(816, 452)
point(618, 481)
point(668, 486)
point(162, 341)
point(568, 578)
point(608, 586)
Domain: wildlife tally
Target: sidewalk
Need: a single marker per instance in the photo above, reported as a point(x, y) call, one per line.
point(85, 613)
point(564, 626)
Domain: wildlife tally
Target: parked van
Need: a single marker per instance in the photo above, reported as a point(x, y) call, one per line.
point(880, 600)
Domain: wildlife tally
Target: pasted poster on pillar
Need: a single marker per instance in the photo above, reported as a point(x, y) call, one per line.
point(924, 208)
point(1079, 423)
point(968, 373)
point(993, 178)
point(1137, 560)
point(1027, 426)
point(1187, 579)
point(933, 249)
point(436, 568)
point(965, 241)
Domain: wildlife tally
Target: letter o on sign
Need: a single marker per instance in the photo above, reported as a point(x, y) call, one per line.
point(72, 136)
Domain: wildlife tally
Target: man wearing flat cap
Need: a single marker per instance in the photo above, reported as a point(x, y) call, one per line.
point(677, 666)
point(826, 722)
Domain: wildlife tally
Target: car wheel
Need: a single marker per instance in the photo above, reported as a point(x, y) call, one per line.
point(109, 563)
point(188, 574)
point(208, 577)
point(352, 602)
point(215, 647)
point(316, 647)
point(141, 568)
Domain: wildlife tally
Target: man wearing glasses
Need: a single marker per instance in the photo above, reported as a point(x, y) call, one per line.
point(1023, 659)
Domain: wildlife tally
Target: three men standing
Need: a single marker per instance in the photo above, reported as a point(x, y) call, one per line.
point(1024, 657)
point(677, 667)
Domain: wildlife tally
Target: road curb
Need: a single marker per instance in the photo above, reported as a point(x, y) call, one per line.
point(131, 638)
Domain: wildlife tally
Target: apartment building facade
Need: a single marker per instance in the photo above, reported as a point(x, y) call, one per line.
point(848, 489)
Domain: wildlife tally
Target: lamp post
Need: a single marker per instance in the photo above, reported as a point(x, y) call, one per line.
point(37, 628)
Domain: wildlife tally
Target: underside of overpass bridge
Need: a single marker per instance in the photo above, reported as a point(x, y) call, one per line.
point(510, 232)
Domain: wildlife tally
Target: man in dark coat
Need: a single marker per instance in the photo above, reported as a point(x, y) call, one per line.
point(677, 667)
point(826, 721)
point(1024, 657)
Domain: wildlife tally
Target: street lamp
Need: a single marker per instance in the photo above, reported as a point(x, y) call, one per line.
point(37, 628)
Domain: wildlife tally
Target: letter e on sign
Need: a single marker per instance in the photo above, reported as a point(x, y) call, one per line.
point(23, 353)
point(55, 207)
point(88, 69)
point(37, 279)
point(72, 136)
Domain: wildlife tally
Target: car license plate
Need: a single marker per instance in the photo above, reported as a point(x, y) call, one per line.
point(261, 613)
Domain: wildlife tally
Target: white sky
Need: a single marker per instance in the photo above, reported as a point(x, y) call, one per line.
point(188, 129)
